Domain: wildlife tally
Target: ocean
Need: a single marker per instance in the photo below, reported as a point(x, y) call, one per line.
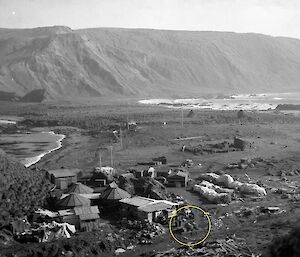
point(254, 102)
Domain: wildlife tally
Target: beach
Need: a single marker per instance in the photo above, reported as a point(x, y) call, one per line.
point(249, 102)
point(29, 147)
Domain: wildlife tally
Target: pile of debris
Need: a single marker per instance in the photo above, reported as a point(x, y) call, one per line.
point(258, 211)
point(187, 163)
point(233, 247)
point(250, 163)
point(211, 148)
point(221, 188)
point(46, 232)
point(142, 232)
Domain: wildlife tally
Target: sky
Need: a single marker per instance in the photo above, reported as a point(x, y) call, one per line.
point(272, 17)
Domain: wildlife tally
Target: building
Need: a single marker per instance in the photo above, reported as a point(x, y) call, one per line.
point(79, 188)
point(102, 176)
point(63, 178)
point(178, 178)
point(82, 217)
point(143, 208)
point(73, 200)
point(163, 171)
point(88, 217)
point(113, 193)
point(132, 125)
point(160, 160)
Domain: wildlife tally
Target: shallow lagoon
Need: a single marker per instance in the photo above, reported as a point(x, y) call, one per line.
point(30, 146)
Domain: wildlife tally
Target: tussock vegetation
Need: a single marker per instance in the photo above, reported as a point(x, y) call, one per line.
point(21, 190)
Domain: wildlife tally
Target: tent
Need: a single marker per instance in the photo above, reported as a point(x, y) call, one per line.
point(79, 188)
point(73, 200)
point(56, 230)
point(191, 114)
point(113, 192)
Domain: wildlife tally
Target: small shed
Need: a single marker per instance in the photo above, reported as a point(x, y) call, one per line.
point(132, 125)
point(69, 216)
point(63, 178)
point(160, 160)
point(83, 217)
point(178, 178)
point(88, 217)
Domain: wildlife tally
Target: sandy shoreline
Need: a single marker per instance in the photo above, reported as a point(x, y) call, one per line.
point(33, 160)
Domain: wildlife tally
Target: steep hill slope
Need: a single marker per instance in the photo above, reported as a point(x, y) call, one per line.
point(21, 190)
point(145, 63)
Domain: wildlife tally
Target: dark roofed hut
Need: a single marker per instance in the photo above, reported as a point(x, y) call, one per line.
point(79, 188)
point(113, 192)
point(111, 196)
point(73, 200)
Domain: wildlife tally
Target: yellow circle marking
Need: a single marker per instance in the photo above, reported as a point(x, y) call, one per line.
point(208, 229)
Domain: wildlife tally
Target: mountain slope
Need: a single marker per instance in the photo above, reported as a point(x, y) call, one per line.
point(145, 63)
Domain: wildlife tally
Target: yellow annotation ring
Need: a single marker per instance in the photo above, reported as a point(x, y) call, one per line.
point(208, 229)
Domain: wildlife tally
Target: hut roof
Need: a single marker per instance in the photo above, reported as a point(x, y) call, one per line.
point(79, 188)
point(137, 201)
point(156, 206)
point(113, 192)
point(73, 200)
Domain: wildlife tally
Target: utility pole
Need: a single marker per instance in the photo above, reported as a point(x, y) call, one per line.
point(181, 115)
point(121, 139)
point(100, 159)
point(111, 156)
point(127, 117)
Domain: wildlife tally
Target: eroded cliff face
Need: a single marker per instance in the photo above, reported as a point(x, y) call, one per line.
point(145, 63)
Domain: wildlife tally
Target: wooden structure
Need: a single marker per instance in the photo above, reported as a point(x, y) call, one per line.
point(178, 178)
point(83, 217)
point(63, 178)
point(143, 208)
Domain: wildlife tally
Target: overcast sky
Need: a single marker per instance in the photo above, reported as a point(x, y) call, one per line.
point(273, 17)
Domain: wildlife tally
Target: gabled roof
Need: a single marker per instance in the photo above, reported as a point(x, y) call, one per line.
point(137, 201)
point(62, 173)
point(73, 200)
point(86, 210)
point(79, 189)
point(147, 204)
point(156, 206)
point(179, 173)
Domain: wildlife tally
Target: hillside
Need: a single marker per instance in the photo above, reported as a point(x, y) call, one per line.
point(21, 190)
point(145, 63)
